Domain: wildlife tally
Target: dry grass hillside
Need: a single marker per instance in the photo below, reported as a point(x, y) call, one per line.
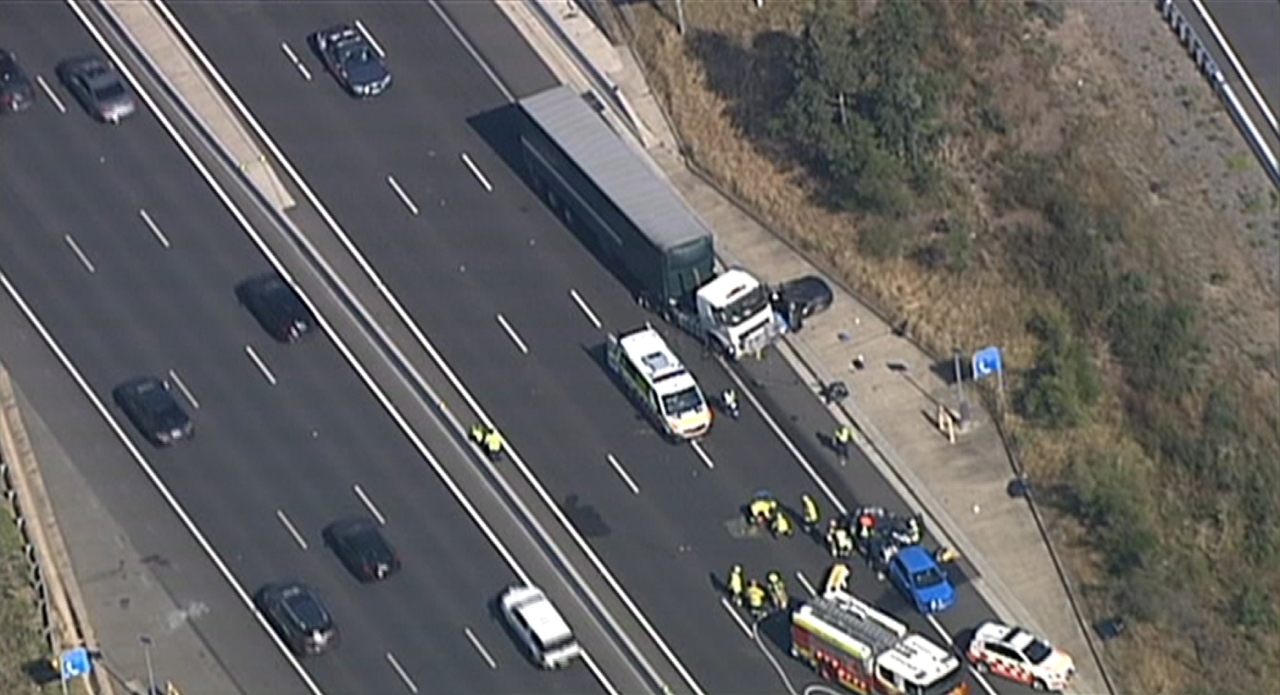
point(1143, 341)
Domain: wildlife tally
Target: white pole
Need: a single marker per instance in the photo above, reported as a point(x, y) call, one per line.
point(680, 15)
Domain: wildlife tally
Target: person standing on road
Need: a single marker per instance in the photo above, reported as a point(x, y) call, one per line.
point(809, 514)
point(756, 597)
point(782, 526)
point(494, 444)
point(843, 437)
point(735, 584)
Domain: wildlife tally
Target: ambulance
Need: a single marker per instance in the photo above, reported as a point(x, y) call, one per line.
point(656, 379)
point(869, 652)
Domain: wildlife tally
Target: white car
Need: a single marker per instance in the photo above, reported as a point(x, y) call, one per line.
point(536, 621)
point(1014, 653)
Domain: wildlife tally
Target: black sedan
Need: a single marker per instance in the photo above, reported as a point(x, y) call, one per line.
point(16, 93)
point(352, 60)
point(297, 614)
point(803, 297)
point(277, 307)
point(360, 546)
point(151, 407)
point(98, 88)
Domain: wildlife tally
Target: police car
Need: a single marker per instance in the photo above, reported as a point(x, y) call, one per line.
point(538, 624)
point(1014, 653)
point(656, 379)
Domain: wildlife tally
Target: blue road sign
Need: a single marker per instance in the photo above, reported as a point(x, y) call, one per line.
point(987, 362)
point(75, 662)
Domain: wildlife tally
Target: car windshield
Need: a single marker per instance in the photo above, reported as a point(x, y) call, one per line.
point(744, 308)
point(677, 404)
point(356, 54)
point(109, 91)
point(925, 579)
point(153, 397)
point(309, 614)
point(368, 541)
point(1037, 651)
point(555, 645)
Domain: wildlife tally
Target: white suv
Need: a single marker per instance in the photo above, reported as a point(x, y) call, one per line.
point(545, 634)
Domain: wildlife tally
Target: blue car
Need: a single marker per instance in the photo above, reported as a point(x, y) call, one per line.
point(919, 577)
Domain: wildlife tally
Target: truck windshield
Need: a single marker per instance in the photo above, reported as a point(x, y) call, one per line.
point(677, 404)
point(744, 308)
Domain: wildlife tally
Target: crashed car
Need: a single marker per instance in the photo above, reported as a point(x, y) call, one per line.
point(353, 61)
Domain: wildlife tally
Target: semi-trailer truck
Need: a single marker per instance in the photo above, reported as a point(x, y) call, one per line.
point(638, 225)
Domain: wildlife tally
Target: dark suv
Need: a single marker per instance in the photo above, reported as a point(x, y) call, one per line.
point(277, 307)
point(152, 408)
point(298, 615)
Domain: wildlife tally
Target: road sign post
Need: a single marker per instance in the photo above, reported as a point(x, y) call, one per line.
point(74, 663)
point(988, 361)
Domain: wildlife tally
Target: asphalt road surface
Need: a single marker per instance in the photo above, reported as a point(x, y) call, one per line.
point(460, 256)
point(1253, 29)
point(122, 302)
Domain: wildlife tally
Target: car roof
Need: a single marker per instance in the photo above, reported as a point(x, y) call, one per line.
point(136, 384)
point(538, 611)
point(916, 559)
point(353, 526)
point(304, 605)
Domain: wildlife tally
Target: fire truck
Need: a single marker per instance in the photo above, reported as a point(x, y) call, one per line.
point(869, 652)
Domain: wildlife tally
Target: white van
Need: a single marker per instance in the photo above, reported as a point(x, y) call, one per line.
point(538, 624)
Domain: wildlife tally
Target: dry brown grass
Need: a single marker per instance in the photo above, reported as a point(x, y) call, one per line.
point(1139, 132)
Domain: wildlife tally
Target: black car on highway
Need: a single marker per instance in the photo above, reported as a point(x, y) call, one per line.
point(803, 297)
point(276, 306)
point(16, 93)
point(297, 614)
point(98, 88)
point(352, 60)
point(360, 546)
point(151, 407)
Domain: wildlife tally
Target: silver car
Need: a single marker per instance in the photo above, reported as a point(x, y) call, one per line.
point(98, 88)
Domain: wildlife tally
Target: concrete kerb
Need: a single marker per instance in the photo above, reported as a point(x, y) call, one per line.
point(256, 168)
point(73, 628)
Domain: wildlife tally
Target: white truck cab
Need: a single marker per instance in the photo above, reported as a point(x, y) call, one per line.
point(736, 311)
point(655, 377)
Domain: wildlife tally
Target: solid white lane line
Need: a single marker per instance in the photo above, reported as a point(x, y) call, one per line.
point(50, 93)
point(368, 36)
point(155, 229)
point(262, 366)
point(697, 448)
point(511, 333)
point(582, 304)
point(804, 581)
point(368, 503)
point(599, 674)
point(408, 682)
point(401, 361)
point(404, 197)
point(1235, 63)
point(293, 530)
point(484, 653)
point(293, 58)
point(475, 171)
point(622, 473)
point(733, 613)
point(182, 386)
point(147, 468)
point(75, 248)
point(471, 50)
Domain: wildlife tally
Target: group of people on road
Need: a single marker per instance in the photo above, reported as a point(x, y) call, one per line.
point(489, 439)
point(755, 595)
point(765, 512)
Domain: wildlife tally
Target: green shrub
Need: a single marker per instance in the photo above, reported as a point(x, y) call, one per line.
point(1156, 343)
point(1062, 385)
point(882, 240)
point(1254, 609)
point(1112, 497)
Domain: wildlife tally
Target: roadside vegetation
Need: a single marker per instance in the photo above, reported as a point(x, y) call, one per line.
point(20, 640)
point(992, 173)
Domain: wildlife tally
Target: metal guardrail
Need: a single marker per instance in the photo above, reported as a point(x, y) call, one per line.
point(1209, 68)
point(35, 575)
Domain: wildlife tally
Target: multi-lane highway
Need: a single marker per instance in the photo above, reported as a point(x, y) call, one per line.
point(417, 178)
point(128, 260)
